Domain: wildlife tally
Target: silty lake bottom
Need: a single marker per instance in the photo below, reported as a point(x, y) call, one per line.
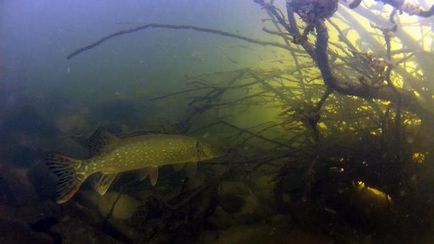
point(253, 121)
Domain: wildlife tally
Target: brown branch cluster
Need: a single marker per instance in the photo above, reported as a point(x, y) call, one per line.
point(320, 53)
point(403, 6)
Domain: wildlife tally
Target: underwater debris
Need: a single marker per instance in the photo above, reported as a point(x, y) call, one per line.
point(179, 218)
point(275, 230)
point(13, 231)
point(242, 204)
point(74, 230)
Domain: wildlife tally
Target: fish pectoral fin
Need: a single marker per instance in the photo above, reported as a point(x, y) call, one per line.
point(153, 175)
point(191, 169)
point(103, 182)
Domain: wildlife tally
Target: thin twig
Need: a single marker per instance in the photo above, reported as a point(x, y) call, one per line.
point(255, 135)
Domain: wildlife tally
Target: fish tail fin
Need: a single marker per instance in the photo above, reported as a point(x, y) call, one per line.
point(69, 179)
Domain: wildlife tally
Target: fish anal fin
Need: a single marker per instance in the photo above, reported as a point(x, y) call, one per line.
point(103, 183)
point(191, 169)
point(151, 172)
point(153, 175)
point(100, 140)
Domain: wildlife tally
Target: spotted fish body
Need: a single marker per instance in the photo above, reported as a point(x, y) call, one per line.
point(146, 152)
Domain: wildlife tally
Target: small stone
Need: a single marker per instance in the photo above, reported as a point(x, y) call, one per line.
point(73, 231)
point(124, 208)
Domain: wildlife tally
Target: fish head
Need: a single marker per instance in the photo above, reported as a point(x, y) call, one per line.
point(207, 151)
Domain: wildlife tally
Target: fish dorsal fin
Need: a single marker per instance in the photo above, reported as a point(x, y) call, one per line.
point(103, 182)
point(100, 140)
point(151, 172)
point(191, 169)
point(153, 175)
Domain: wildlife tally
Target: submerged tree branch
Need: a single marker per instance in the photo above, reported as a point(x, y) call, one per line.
point(176, 27)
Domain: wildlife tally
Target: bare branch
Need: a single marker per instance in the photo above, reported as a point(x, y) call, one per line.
point(175, 27)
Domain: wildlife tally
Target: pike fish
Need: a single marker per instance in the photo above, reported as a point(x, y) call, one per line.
point(114, 155)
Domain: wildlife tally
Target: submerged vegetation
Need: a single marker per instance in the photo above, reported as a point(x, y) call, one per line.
point(345, 153)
